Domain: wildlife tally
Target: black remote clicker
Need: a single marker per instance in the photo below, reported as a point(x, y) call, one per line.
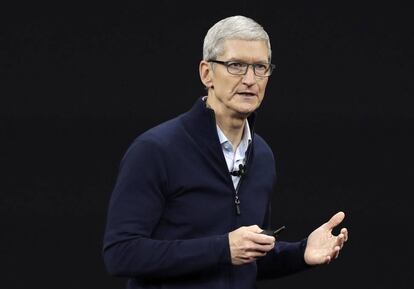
point(274, 233)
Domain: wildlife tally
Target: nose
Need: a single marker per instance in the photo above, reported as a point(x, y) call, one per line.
point(249, 78)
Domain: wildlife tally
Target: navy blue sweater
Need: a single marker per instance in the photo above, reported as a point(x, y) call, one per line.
point(173, 206)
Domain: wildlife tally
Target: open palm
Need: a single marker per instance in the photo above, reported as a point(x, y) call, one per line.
point(322, 246)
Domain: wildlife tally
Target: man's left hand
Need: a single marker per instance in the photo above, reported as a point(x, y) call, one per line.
point(322, 247)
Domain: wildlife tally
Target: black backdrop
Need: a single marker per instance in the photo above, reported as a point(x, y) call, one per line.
point(80, 82)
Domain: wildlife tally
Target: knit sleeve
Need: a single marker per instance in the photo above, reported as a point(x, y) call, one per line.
point(285, 259)
point(135, 209)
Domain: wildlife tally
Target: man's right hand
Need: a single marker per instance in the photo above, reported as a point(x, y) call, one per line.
point(247, 244)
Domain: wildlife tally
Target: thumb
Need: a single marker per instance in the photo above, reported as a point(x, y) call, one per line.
point(335, 220)
point(255, 229)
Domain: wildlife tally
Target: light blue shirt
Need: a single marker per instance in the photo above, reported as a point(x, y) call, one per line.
point(235, 158)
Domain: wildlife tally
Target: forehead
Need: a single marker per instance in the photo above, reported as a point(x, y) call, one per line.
point(245, 50)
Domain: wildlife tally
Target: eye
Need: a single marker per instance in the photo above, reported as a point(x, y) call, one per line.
point(261, 67)
point(236, 65)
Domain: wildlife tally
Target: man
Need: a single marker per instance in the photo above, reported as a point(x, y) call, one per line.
point(192, 196)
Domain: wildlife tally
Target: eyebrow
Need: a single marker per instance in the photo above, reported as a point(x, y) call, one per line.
point(233, 59)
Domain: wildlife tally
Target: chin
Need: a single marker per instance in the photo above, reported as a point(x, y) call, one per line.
point(246, 109)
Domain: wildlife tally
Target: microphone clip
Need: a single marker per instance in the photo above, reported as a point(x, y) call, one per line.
point(240, 172)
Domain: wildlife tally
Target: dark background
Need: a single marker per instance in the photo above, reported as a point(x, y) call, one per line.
point(80, 82)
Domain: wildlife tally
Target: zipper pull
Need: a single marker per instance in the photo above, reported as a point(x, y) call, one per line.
point(237, 202)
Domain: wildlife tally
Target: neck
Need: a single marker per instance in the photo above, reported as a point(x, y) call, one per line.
point(232, 124)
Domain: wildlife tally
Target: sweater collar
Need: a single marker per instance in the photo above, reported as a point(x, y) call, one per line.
point(201, 124)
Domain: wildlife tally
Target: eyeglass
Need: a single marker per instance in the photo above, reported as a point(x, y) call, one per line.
point(240, 68)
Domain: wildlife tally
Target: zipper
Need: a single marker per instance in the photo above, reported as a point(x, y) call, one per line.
point(243, 173)
point(248, 151)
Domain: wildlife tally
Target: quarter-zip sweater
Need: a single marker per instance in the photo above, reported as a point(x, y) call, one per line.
point(173, 206)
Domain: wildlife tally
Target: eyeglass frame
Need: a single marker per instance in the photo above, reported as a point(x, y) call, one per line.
point(253, 65)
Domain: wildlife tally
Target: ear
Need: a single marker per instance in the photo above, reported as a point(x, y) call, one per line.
point(205, 74)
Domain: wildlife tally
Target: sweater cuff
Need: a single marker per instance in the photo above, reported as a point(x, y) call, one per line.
point(220, 245)
point(302, 245)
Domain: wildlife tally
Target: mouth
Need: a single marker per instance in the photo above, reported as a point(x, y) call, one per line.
point(246, 94)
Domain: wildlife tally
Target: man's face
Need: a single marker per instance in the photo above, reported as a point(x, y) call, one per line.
point(240, 94)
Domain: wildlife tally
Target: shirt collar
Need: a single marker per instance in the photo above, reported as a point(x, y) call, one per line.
point(246, 138)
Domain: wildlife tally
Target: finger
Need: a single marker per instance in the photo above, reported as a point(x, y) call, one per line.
point(251, 256)
point(335, 220)
point(261, 238)
point(246, 260)
point(260, 248)
point(345, 232)
point(254, 228)
point(255, 254)
point(340, 240)
point(337, 250)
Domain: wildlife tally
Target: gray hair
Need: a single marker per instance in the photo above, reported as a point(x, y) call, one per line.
point(235, 27)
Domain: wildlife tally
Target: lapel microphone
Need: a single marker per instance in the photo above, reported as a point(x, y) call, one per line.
point(240, 172)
